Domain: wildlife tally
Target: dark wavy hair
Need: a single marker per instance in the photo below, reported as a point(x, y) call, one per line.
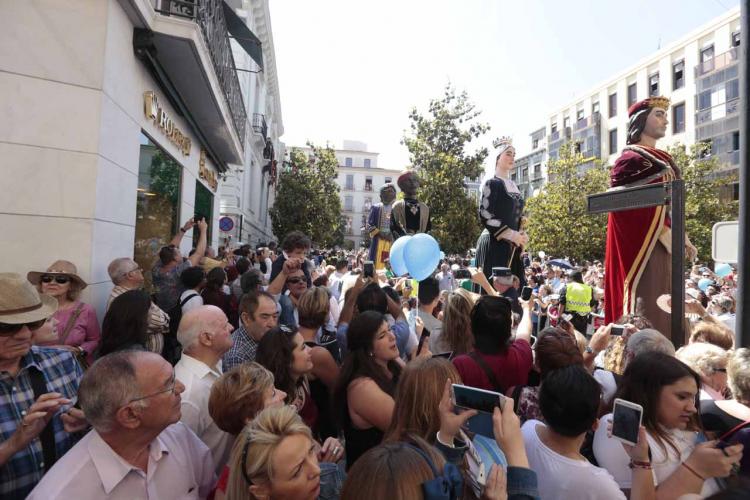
point(275, 352)
point(359, 362)
point(642, 383)
point(491, 323)
point(636, 127)
point(125, 324)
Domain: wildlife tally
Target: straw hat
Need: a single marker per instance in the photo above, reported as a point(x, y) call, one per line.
point(63, 267)
point(21, 303)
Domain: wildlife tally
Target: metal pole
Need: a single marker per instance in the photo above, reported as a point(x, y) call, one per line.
point(742, 327)
point(678, 262)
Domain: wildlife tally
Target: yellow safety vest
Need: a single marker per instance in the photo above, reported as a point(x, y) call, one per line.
point(578, 298)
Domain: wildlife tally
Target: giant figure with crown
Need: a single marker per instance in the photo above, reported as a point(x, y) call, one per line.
point(638, 253)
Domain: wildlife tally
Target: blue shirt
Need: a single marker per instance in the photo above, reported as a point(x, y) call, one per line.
point(243, 349)
point(62, 374)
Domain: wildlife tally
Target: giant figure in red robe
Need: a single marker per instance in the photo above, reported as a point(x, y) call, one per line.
point(638, 256)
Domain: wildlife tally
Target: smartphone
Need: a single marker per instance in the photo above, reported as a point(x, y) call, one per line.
point(446, 355)
point(526, 293)
point(368, 269)
point(477, 399)
point(626, 420)
point(425, 335)
point(617, 330)
point(496, 271)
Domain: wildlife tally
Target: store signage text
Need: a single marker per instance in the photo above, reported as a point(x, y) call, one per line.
point(155, 112)
point(205, 173)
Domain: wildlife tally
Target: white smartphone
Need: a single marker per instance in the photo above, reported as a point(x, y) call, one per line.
point(626, 421)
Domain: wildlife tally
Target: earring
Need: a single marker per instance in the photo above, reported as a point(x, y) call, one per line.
point(371, 354)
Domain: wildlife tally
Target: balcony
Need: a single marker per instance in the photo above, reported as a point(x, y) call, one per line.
point(185, 46)
point(717, 112)
point(259, 124)
point(717, 62)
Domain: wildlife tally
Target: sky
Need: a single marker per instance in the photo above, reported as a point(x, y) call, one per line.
point(353, 69)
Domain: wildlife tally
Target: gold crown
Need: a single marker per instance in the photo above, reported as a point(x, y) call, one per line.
point(658, 102)
point(502, 141)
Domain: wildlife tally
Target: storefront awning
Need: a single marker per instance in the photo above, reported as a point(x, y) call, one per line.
point(246, 38)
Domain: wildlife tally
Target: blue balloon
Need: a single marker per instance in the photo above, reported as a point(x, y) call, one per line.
point(704, 283)
point(421, 255)
point(723, 270)
point(442, 255)
point(397, 256)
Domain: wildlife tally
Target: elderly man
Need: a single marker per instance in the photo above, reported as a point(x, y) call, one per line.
point(137, 448)
point(126, 274)
point(205, 335)
point(258, 314)
point(37, 385)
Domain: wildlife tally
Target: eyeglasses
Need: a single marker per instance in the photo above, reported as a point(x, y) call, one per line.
point(294, 281)
point(722, 370)
point(172, 385)
point(243, 465)
point(8, 330)
point(60, 280)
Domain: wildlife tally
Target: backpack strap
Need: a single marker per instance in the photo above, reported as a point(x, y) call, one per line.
point(186, 299)
point(47, 436)
point(487, 371)
point(70, 323)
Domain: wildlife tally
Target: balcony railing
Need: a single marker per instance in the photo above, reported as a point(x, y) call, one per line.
point(717, 62)
point(209, 15)
point(259, 124)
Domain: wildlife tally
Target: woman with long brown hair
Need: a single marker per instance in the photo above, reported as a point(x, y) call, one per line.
point(456, 335)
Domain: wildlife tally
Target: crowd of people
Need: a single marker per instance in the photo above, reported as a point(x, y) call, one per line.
point(292, 373)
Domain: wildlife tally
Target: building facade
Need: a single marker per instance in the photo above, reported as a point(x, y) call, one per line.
point(699, 73)
point(247, 193)
point(120, 119)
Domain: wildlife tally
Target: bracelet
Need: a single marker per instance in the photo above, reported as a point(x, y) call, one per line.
point(637, 464)
point(693, 471)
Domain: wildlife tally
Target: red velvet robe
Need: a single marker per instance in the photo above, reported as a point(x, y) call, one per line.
point(633, 234)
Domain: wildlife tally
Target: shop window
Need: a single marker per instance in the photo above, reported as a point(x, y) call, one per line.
point(204, 207)
point(157, 204)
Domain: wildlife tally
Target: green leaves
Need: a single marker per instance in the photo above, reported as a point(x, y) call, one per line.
point(437, 149)
point(307, 197)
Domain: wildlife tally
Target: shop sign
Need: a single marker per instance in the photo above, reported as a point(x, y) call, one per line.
point(205, 173)
point(155, 112)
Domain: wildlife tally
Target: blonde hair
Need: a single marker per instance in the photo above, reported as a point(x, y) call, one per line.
point(238, 396)
point(738, 375)
point(457, 322)
point(580, 340)
point(254, 448)
point(702, 357)
point(713, 334)
point(313, 307)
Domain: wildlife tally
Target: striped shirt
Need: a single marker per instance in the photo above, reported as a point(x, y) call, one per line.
point(158, 321)
point(62, 374)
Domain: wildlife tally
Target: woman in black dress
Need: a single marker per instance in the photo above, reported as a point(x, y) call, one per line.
point(501, 242)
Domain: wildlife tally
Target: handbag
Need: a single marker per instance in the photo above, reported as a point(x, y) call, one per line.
point(80, 355)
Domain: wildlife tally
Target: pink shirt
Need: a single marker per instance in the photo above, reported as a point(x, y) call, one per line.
point(85, 332)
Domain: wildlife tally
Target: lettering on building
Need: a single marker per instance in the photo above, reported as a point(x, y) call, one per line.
point(205, 173)
point(156, 113)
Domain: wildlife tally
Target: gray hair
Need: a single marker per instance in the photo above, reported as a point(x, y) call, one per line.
point(107, 386)
point(118, 268)
point(649, 340)
point(191, 326)
point(703, 357)
point(738, 375)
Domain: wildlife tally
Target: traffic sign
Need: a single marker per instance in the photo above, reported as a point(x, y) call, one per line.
point(226, 224)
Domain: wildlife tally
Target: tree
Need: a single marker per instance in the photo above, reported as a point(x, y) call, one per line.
point(558, 222)
point(307, 198)
point(437, 149)
point(708, 194)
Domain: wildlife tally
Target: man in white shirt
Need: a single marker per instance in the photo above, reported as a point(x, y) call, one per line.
point(138, 448)
point(445, 278)
point(205, 336)
point(193, 279)
point(336, 281)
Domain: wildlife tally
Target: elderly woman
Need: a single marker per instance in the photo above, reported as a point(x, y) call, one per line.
point(720, 416)
point(710, 362)
point(78, 326)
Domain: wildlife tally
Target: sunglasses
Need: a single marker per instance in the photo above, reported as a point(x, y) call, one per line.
point(294, 281)
point(7, 330)
point(61, 280)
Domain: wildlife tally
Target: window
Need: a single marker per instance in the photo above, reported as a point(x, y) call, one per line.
point(704, 100)
point(577, 146)
point(653, 85)
point(566, 122)
point(632, 93)
point(388, 179)
point(534, 143)
point(553, 128)
point(204, 206)
point(736, 39)
point(368, 183)
point(348, 225)
point(348, 162)
point(514, 177)
point(707, 53)
point(579, 114)
point(349, 181)
point(678, 118)
point(595, 107)
point(613, 105)
point(157, 203)
point(733, 89)
point(736, 140)
point(613, 141)
point(678, 75)
point(367, 205)
point(367, 163)
point(525, 174)
point(537, 170)
point(348, 203)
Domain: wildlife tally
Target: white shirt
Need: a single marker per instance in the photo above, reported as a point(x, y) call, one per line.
point(610, 455)
point(607, 382)
point(564, 478)
point(435, 326)
point(198, 378)
point(335, 284)
point(446, 281)
point(179, 466)
point(193, 303)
